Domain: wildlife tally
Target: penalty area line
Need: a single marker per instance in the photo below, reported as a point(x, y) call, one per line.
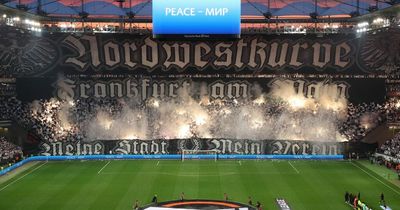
point(22, 176)
point(297, 171)
point(158, 162)
point(104, 167)
point(375, 178)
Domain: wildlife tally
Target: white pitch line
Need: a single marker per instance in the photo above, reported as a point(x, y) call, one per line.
point(158, 162)
point(22, 177)
point(240, 163)
point(104, 167)
point(375, 177)
point(297, 171)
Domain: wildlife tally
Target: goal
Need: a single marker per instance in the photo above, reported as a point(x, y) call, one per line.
point(199, 154)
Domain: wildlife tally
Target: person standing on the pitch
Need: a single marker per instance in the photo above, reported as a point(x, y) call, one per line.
point(351, 198)
point(382, 198)
point(250, 201)
point(355, 202)
point(347, 197)
point(154, 200)
point(182, 196)
point(136, 206)
point(258, 205)
point(225, 196)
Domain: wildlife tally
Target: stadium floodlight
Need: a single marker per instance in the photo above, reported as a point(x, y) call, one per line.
point(362, 24)
point(378, 20)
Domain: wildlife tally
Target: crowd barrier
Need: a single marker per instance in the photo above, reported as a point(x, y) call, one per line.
point(387, 157)
point(166, 157)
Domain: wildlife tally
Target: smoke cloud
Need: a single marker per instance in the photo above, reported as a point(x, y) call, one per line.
point(283, 113)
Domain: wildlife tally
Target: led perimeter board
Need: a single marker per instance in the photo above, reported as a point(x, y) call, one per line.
point(196, 18)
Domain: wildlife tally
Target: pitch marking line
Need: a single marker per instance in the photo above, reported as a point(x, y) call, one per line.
point(297, 171)
point(158, 162)
point(240, 163)
point(22, 176)
point(375, 177)
point(104, 167)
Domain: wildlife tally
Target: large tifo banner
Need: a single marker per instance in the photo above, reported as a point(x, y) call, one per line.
point(23, 54)
point(163, 147)
point(144, 88)
point(138, 66)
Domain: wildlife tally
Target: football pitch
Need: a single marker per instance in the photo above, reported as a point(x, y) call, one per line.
point(116, 184)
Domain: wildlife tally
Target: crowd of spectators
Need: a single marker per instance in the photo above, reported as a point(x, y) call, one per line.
point(392, 147)
point(9, 151)
point(55, 120)
point(392, 110)
point(361, 119)
point(49, 120)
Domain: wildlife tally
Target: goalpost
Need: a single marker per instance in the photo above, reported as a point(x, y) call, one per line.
point(199, 154)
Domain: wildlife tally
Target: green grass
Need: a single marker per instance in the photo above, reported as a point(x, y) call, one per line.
point(382, 171)
point(305, 185)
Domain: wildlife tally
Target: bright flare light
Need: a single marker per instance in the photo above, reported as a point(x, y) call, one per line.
point(107, 124)
point(72, 103)
point(226, 111)
point(181, 111)
point(366, 126)
point(66, 127)
point(200, 119)
point(184, 131)
point(335, 106)
point(259, 101)
point(397, 105)
point(257, 123)
point(154, 103)
point(296, 102)
point(130, 136)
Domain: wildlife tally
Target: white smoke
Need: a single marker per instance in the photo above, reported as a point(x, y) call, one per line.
point(284, 113)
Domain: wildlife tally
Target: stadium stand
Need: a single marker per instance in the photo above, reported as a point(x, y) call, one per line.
point(392, 147)
point(98, 105)
point(9, 152)
point(49, 119)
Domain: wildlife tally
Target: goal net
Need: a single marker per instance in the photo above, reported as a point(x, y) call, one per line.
point(199, 154)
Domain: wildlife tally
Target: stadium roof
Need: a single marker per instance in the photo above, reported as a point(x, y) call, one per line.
point(254, 8)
